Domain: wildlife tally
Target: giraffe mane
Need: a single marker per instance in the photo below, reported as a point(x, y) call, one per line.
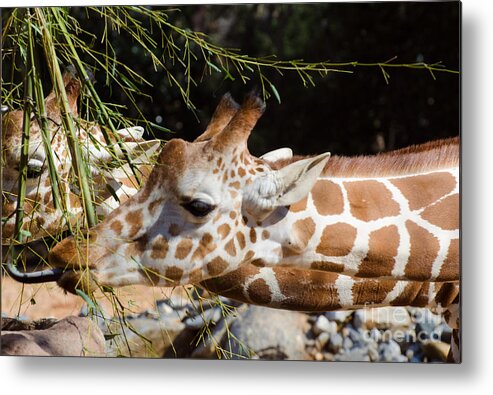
point(434, 155)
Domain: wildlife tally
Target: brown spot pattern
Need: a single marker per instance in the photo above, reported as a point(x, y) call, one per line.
point(217, 266)
point(241, 240)
point(183, 248)
point(444, 214)
point(249, 255)
point(230, 247)
point(265, 234)
point(424, 250)
point(253, 235)
point(159, 247)
point(450, 270)
point(195, 276)
point(307, 290)
point(327, 266)
point(259, 292)
point(407, 295)
point(370, 200)
point(303, 230)
point(327, 198)
point(223, 231)
point(337, 240)
point(299, 206)
point(206, 246)
point(379, 260)
point(134, 220)
point(174, 274)
point(422, 190)
point(116, 226)
point(447, 293)
point(371, 291)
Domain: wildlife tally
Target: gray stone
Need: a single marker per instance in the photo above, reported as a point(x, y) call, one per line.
point(355, 354)
point(322, 340)
point(142, 337)
point(426, 322)
point(268, 334)
point(178, 302)
point(389, 351)
point(163, 308)
point(335, 343)
point(322, 324)
point(373, 352)
point(208, 316)
point(72, 336)
point(98, 317)
point(347, 343)
point(355, 335)
point(382, 317)
point(338, 316)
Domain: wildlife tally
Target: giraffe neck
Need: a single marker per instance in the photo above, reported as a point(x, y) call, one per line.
point(394, 227)
point(309, 290)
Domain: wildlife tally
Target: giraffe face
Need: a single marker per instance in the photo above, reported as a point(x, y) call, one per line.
point(195, 217)
point(40, 216)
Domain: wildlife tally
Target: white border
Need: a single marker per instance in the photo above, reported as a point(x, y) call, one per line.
point(106, 376)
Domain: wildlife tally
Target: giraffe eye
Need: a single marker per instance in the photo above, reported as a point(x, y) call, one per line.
point(198, 208)
point(34, 168)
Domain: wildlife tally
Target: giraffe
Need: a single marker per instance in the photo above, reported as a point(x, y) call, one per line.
point(41, 219)
point(291, 232)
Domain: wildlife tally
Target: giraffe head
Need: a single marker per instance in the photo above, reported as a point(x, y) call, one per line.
point(40, 216)
point(198, 215)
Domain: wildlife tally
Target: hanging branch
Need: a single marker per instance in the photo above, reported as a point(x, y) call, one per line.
point(67, 120)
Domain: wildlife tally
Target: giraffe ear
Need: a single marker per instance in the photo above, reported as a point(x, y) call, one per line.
point(285, 186)
point(278, 154)
point(297, 179)
point(140, 151)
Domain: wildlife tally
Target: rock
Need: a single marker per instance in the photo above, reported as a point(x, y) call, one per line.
point(335, 343)
point(338, 316)
point(373, 352)
point(347, 343)
point(267, 333)
point(426, 324)
point(98, 317)
point(328, 356)
point(319, 356)
point(355, 336)
point(322, 340)
point(164, 308)
point(148, 337)
point(208, 316)
point(178, 302)
point(322, 324)
point(389, 351)
point(72, 336)
point(382, 317)
point(355, 354)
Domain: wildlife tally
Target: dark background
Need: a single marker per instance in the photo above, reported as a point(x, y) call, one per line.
point(344, 113)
